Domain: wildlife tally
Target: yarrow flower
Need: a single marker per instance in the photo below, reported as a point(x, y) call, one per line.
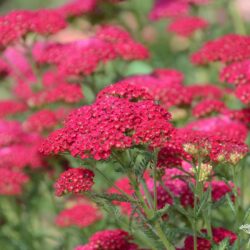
point(168, 9)
point(205, 91)
point(80, 215)
point(115, 239)
point(11, 107)
point(82, 57)
point(110, 123)
point(42, 120)
point(236, 73)
point(229, 48)
point(243, 93)
point(11, 182)
point(17, 24)
point(208, 107)
point(219, 234)
point(74, 8)
point(74, 180)
point(187, 25)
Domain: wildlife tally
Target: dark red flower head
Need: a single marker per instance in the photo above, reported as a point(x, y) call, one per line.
point(74, 180)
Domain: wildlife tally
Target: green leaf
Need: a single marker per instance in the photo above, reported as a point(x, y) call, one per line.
point(230, 203)
point(222, 246)
point(203, 201)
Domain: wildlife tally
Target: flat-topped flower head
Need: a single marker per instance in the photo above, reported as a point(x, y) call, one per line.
point(236, 73)
point(75, 8)
point(208, 107)
point(227, 49)
point(74, 180)
point(110, 123)
point(168, 9)
point(115, 239)
point(219, 234)
point(17, 24)
point(80, 215)
point(187, 25)
point(243, 93)
point(11, 182)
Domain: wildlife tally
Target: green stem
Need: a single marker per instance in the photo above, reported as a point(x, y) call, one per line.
point(235, 191)
point(149, 213)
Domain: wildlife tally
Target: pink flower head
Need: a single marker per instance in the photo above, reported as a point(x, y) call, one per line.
point(243, 93)
point(219, 234)
point(11, 182)
point(219, 189)
point(205, 91)
point(42, 120)
point(47, 21)
point(221, 126)
point(236, 73)
point(11, 107)
point(17, 24)
point(227, 49)
point(208, 107)
point(168, 9)
point(74, 8)
point(10, 132)
point(74, 180)
point(164, 89)
point(169, 75)
point(110, 123)
point(80, 215)
point(186, 26)
point(115, 239)
point(242, 115)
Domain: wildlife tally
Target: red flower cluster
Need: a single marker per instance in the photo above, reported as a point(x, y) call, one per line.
point(187, 25)
point(243, 93)
point(17, 24)
point(165, 87)
point(207, 107)
point(227, 49)
point(218, 147)
point(11, 182)
point(236, 73)
point(16, 142)
point(80, 215)
point(74, 180)
point(76, 8)
point(168, 9)
point(115, 239)
point(44, 119)
point(110, 123)
point(205, 91)
point(83, 57)
point(11, 107)
point(219, 234)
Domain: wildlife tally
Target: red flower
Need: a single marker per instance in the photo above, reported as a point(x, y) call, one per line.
point(80, 215)
point(11, 182)
point(111, 122)
point(186, 26)
point(74, 180)
point(115, 239)
point(227, 49)
point(236, 73)
point(243, 93)
point(74, 8)
point(208, 107)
